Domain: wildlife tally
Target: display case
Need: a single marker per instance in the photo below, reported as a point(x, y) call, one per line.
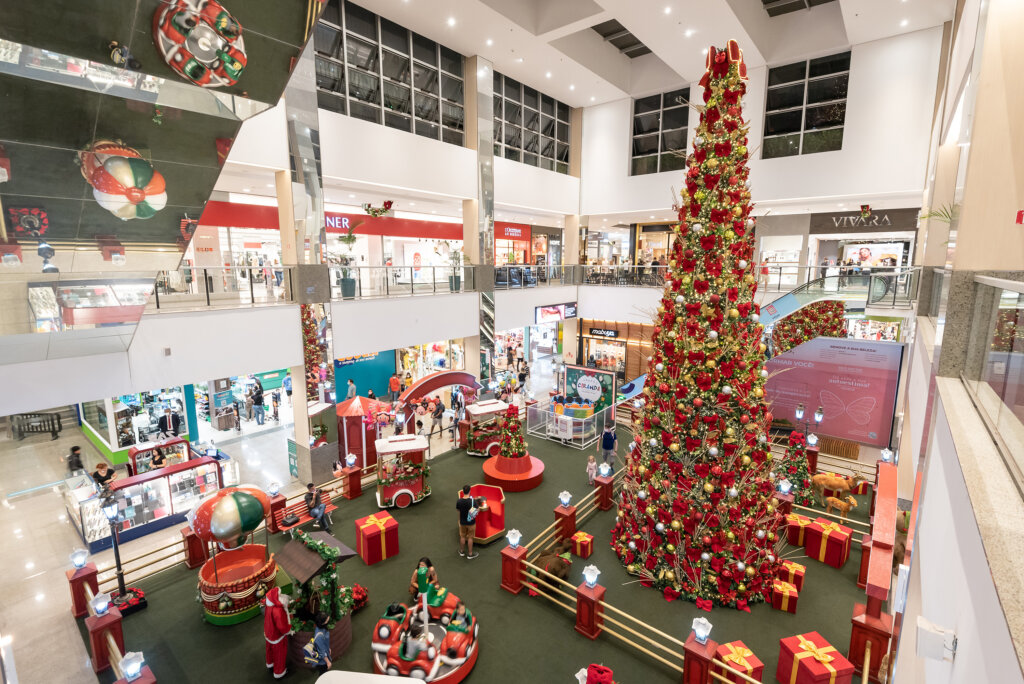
point(82, 502)
point(175, 450)
point(229, 475)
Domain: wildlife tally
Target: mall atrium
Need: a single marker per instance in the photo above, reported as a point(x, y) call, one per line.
point(512, 341)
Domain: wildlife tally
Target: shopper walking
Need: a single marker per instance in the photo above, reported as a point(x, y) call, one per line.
point(510, 356)
point(257, 402)
point(75, 460)
point(438, 417)
point(248, 404)
point(277, 626)
point(466, 526)
point(519, 356)
point(316, 507)
point(609, 444)
point(288, 387)
point(591, 469)
point(394, 387)
point(351, 394)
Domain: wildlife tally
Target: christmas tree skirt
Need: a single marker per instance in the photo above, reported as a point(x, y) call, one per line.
point(517, 474)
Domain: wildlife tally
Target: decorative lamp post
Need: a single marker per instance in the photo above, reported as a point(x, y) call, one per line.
point(812, 440)
point(79, 557)
point(110, 510)
point(590, 574)
point(274, 489)
point(350, 460)
point(701, 629)
point(131, 665)
point(604, 470)
point(513, 537)
point(565, 497)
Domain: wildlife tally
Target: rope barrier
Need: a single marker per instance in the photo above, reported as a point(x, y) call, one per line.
point(833, 515)
point(732, 670)
point(677, 668)
point(557, 579)
point(652, 642)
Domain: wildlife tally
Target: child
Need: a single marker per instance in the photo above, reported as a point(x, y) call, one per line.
point(461, 620)
point(591, 469)
point(317, 653)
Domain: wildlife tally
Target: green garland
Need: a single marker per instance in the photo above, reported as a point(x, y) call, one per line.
point(418, 471)
point(337, 600)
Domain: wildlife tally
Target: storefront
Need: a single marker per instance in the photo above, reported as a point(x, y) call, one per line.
point(616, 346)
point(861, 327)
point(512, 243)
point(116, 425)
point(654, 242)
point(416, 362)
point(781, 256)
point(874, 240)
point(505, 340)
point(546, 246)
point(609, 246)
point(85, 304)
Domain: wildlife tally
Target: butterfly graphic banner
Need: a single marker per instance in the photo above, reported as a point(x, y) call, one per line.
point(854, 381)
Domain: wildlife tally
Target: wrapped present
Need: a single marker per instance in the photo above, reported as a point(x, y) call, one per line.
point(792, 572)
point(862, 488)
point(828, 542)
point(582, 544)
point(809, 659)
point(377, 537)
point(784, 596)
point(796, 525)
point(738, 657)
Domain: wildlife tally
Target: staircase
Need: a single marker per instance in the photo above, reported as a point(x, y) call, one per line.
point(24, 425)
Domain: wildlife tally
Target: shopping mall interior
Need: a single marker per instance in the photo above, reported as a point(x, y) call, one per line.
point(522, 341)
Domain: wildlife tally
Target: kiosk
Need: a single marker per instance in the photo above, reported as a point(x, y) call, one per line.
point(481, 430)
point(402, 470)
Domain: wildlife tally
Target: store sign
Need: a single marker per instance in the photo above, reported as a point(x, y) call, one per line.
point(603, 332)
point(511, 231)
point(337, 221)
point(890, 220)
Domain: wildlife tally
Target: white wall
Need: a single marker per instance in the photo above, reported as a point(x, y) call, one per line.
point(263, 140)
point(516, 308)
point(352, 149)
point(371, 325)
point(885, 141)
point(522, 185)
point(632, 304)
point(47, 384)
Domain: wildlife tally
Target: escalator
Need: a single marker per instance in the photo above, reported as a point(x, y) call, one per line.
point(892, 289)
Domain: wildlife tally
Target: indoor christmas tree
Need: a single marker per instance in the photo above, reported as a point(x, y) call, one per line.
point(793, 467)
point(512, 444)
point(312, 351)
point(818, 319)
point(697, 517)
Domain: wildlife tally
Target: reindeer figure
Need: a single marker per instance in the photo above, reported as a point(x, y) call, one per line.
point(841, 485)
point(840, 505)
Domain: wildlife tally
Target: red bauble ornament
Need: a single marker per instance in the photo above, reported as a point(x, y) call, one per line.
point(714, 298)
point(744, 419)
point(769, 417)
point(663, 387)
point(698, 402)
point(705, 540)
point(716, 471)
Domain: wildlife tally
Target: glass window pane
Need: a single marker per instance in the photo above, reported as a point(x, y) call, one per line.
point(676, 98)
point(825, 116)
point(513, 136)
point(329, 75)
point(452, 136)
point(512, 89)
point(787, 74)
point(452, 115)
point(394, 36)
point(511, 153)
point(397, 98)
point(531, 119)
point(497, 149)
point(651, 103)
point(363, 86)
point(828, 88)
point(547, 126)
point(427, 108)
point(530, 159)
point(645, 144)
point(547, 105)
point(498, 99)
point(563, 132)
point(364, 111)
point(530, 97)
point(427, 129)
point(785, 97)
point(424, 78)
point(785, 122)
point(532, 142)
point(361, 54)
point(563, 111)
point(332, 12)
point(424, 49)
point(562, 168)
point(646, 123)
point(358, 20)
point(451, 61)
point(497, 131)
point(672, 162)
point(396, 67)
point(451, 89)
point(781, 146)
point(548, 164)
point(642, 165)
point(823, 141)
point(497, 83)
point(547, 147)
point(675, 118)
point(332, 103)
point(829, 65)
point(399, 121)
point(563, 153)
point(513, 113)
point(326, 40)
point(674, 140)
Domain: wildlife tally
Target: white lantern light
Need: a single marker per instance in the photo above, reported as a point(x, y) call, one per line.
point(110, 509)
point(799, 413)
point(78, 557)
point(590, 574)
point(513, 537)
point(350, 460)
point(785, 486)
point(887, 455)
point(812, 440)
point(701, 629)
point(131, 665)
point(819, 415)
point(604, 469)
point(565, 497)
point(274, 489)
point(100, 603)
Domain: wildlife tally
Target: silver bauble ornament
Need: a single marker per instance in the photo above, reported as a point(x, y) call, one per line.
point(713, 451)
point(727, 390)
point(680, 299)
point(705, 556)
point(742, 263)
point(660, 527)
point(653, 442)
point(733, 492)
point(641, 495)
point(755, 317)
point(741, 566)
point(713, 335)
point(659, 367)
point(632, 546)
point(759, 534)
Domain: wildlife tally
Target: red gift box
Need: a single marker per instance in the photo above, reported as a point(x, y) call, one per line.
point(792, 572)
point(809, 659)
point(377, 537)
point(862, 488)
point(784, 596)
point(795, 528)
point(828, 542)
point(582, 544)
point(738, 657)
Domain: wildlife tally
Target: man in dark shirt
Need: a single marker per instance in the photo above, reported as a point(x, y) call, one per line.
point(466, 526)
point(169, 424)
point(438, 416)
point(316, 507)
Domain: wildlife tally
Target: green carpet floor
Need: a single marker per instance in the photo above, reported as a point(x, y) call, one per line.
point(522, 639)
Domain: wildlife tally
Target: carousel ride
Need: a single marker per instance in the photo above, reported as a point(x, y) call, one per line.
point(238, 575)
point(434, 640)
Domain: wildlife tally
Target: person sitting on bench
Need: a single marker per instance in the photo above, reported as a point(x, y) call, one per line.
point(316, 507)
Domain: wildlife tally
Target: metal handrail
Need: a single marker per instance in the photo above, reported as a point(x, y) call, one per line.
point(532, 578)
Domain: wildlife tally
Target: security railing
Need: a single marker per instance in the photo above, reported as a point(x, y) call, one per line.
point(364, 282)
point(191, 287)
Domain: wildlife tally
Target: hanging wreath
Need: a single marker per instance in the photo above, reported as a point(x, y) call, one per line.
point(377, 212)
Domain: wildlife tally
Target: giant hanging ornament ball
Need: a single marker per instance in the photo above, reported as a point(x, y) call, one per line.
point(200, 41)
point(229, 515)
point(122, 181)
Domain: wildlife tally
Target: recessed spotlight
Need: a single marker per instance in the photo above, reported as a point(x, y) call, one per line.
point(519, 59)
point(689, 33)
point(652, 215)
point(605, 220)
point(592, 98)
point(490, 42)
point(704, 51)
point(904, 22)
point(246, 189)
point(351, 196)
point(270, 185)
point(412, 204)
point(547, 75)
point(668, 10)
point(572, 87)
point(451, 21)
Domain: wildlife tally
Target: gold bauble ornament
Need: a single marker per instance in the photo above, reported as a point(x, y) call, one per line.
point(730, 431)
point(673, 447)
point(670, 576)
point(745, 460)
point(671, 548)
point(729, 235)
point(771, 536)
point(663, 498)
point(734, 313)
point(737, 211)
point(681, 406)
point(631, 568)
point(710, 363)
point(661, 310)
point(650, 510)
point(686, 280)
point(741, 588)
point(762, 347)
point(708, 487)
point(672, 263)
point(730, 536)
point(748, 279)
point(712, 163)
point(758, 392)
point(750, 571)
point(672, 333)
point(675, 525)
point(768, 456)
point(641, 469)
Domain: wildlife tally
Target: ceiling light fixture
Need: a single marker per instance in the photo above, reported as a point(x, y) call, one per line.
point(689, 33)
point(668, 10)
point(592, 98)
point(490, 42)
point(519, 59)
point(572, 87)
point(451, 21)
point(704, 51)
point(904, 23)
point(246, 189)
point(547, 75)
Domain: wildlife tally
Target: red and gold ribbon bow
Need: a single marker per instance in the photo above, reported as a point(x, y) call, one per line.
point(827, 528)
point(381, 522)
point(787, 590)
point(811, 650)
point(739, 655)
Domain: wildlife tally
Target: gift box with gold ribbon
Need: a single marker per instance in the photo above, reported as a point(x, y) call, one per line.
point(739, 658)
point(809, 659)
point(377, 537)
point(792, 572)
point(796, 525)
point(784, 596)
point(582, 544)
point(828, 542)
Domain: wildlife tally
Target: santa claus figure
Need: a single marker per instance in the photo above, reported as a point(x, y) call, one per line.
point(276, 628)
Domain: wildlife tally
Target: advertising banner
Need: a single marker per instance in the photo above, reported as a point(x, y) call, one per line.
point(368, 371)
point(854, 381)
point(595, 386)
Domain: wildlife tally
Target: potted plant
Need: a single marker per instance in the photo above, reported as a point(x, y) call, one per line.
point(455, 261)
point(347, 261)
